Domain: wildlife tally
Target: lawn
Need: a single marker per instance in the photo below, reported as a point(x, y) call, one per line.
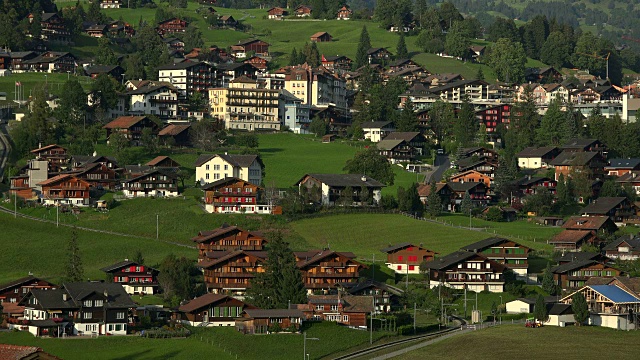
point(218, 343)
point(518, 342)
point(46, 252)
point(55, 83)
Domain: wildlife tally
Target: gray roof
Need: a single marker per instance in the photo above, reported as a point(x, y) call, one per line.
point(181, 65)
point(634, 243)
point(375, 124)
point(484, 244)
point(536, 151)
point(579, 143)
point(559, 309)
point(18, 282)
point(52, 299)
point(163, 171)
point(396, 247)
point(449, 260)
point(464, 186)
point(117, 296)
point(377, 284)
point(147, 89)
point(235, 160)
point(577, 256)
point(389, 144)
point(344, 180)
point(624, 163)
point(274, 313)
point(100, 69)
point(407, 136)
point(567, 158)
point(603, 205)
point(572, 266)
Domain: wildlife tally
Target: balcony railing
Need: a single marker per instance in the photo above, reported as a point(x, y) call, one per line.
point(334, 275)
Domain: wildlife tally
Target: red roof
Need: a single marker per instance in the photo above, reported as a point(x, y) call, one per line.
point(157, 160)
point(124, 122)
point(55, 179)
point(17, 352)
point(52, 146)
point(570, 236)
point(319, 34)
point(201, 302)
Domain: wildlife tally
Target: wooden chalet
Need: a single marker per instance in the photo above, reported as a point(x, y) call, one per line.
point(255, 46)
point(14, 291)
point(568, 162)
point(178, 135)
point(135, 278)
point(5, 60)
point(227, 21)
point(163, 162)
point(131, 127)
point(413, 138)
point(19, 60)
point(212, 310)
point(78, 162)
point(303, 11)
point(234, 195)
point(397, 151)
point(338, 62)
point(542, 75)
point(257, 321)
point(344, 13)
point(619, 209)
point(386, 297)
point(231, 271)
point(378, 55)
point(504, 251)
point(493, 116)
point(110, 4)
point(20, 187)
point(472, 176)
point(584, 145)
point(53, 28)
point(173, 25)
point(347, 310)
point(478, 192)
point(447, 195)
point(258, 62)
point(530, 185)
point(115, 71)
point(227, 238)
point(329, 189)
point(156, 183)
point(65, 189)
point(96, 30)
point(619, 167)
point(97, 175)
point(581, 230)
point(405, 258)
point(626, 247)
point(120, 27)
point(482, 165)
point(277, 13)
point(573, 275)
point(55, 155)
point(537, 157)
point(465, 269)
point(321, 36)
point(52, 61)
point(323, 270)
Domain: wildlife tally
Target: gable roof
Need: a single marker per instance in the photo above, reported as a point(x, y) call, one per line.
point(44, 148)
point(570, 237)
point(560, 269)
point(235, 160)
point(122, 264)
point(217, 257)
point(568, 158)
point(396, 247)
point(633, 242)
point(319, 34)
point(407, 136)
point(124, 122)
point(228, 180)
point(377, 284)
point(344, 180)
point(376, 124)
point(578, 256)
point(273, 313)
point(624, 163)
point(536, 151)
point(603, 205)
point(159, 159)
point(358, 303)
point(323, 254)
point(59, 178)
point(586, 222)
point(579, 143)
point(18, 282)
point(559, 309)
point(389, 144)
point(117, 296)
point(17, 352)
point(182, 65)
point(202, 301)
point(615, 294)
point(451, 259)
point(464, 186)
point(425, 189)
point(487, 243)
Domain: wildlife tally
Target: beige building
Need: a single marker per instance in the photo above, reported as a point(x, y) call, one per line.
point(316, 87)
point(214, 167)
point(245, 105)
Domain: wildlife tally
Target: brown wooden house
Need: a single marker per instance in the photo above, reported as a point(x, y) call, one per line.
point(163, 162)
point(135, 278)
point(277, 13)
point(465, 269)
point(20, 187)
point(472, 176)
point(55, 155)
point(53, 27)
point(98, 175)
point(258, 62)
point(344, 13)
point(303, 11)
point(323, 270)
point(567, 162)
point(386, 297)
point(14, 291)
point(231, 271)
point(227, 238)
point(504, 251)
point(405, 258)
point(348, 310)
point(156, 182)
point(321, 36)
point(582, 230)
point(258, 321)
point(444, 191)
point(573, 275)
point(178, 135)
point(65, 189)
point(131, 127)
point(255, 46)
point(339, 62)
point(619, 209)
point(212, 310)
point(173, 25)
point(232, 195)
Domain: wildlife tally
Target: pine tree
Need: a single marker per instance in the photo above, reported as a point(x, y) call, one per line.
point(570, 124)
point(466, 205)
point(138, 258)
point(540, 310)
point(434, 203)
point(407, 120)
point(401, 48)
point(293, 58)
point(362, 56)
point(550, 131)
point(480, 73)
point(548, 284)
point(580, 308)
point(74, 271)
point(466, 127)
point(506, 174)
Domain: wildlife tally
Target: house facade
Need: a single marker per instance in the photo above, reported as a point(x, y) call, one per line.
point(609, 306)
point(375, 131)
point(188, 77)
point(464, 269)
point(173, 25)
point(626, 247)
point(14, 291)
point(136, 279)
point(212, 310)
point(65, 189)
point(405, 258)
point(503, 251)
point(131, 127)
point(210, 168)
point(397, 151)
point(159, 100)
point(537, 157)
point(568, 162)
point(230, 272)
point(228, 238)
point(329, 189)
point(233, 195)
point(157, 183)
point(573, 275)
point(347, 310)
point(257, 321)
point(325, 270)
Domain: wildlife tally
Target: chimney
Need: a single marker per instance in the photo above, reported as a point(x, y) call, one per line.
point(226, 153)
point(126, 259)
point(106, 294)
point(64, 296)
point(363, 178)
point(95, 153)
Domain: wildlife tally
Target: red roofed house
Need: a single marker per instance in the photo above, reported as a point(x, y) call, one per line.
point(582, 230)
point(172, 26)
point(344, 13)
point(131, 127)
point(277, 13)
point(212, 310)
point(258, 62)
point(303, 11)
point(405, 258)
point(227, 238)
point(65, 189)
point(14, 291)
point(135, 278)
point(321, 36)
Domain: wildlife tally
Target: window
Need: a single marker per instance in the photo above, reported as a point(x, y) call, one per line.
point(412, 267)
point(98, 303)
point(226, 167)
point(216, 176)
point(16, 290)
point(120, 315)
point(399, 267)
point(345, 318)
point(413, 258)
point(207, 167)
point(87, 303)
point(216, 167)
point(319, 307)
point(334, 307)
point(87, 315)
point(400, 258)
point(206, 176)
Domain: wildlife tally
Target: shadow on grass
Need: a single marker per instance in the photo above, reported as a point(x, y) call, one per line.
point(271, 150)
point(144, 355)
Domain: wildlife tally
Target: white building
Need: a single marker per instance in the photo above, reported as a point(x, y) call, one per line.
point(293, 113)
point(332, 188)
point(609, 306)
point(159, 100)
point(210, 168)
point(188, 77)
point(375, 131)
point(316, 87)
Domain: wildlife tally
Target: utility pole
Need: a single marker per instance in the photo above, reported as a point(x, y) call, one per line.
point(465, 301)
point(157, 226)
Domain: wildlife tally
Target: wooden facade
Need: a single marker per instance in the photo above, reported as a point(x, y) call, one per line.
point(503, 251)
point(472, 176)
point(212, 310)
point(257, 321)
point(322, 36)
point(406, 258)
point(465, 269)
point(131, 127)
point(348, 310)
point(65, 189)
point(98, 175)
point(20, 187)
point(258, 62)
point(325, 269)
point(344, 13)
point(135, 278)
point(159, 182)
point(227, 238)
point(303, 11)
point(232, 271)
point(14, 291)
point(173, 25)
point(55, 155)
point(574, 275)
point(232, 195)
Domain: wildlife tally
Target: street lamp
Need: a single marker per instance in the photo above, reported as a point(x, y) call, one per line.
point(305, 356)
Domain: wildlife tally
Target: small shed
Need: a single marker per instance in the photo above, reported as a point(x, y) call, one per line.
point(329, 138)
point(321, 36)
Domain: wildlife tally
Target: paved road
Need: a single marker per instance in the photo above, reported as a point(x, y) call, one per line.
point(442, 163)
point(418, 346)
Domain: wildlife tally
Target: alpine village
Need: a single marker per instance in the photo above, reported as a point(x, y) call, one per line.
point(243, 179)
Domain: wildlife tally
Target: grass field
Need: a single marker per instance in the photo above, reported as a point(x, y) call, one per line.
point(218, 343)
point(40, 248)
point(55, 83)
point(518, 342)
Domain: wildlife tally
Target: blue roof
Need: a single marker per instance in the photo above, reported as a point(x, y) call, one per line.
point(615, 294)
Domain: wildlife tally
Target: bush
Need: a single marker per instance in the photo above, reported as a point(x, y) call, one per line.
point(408, 329)
point(275, 328)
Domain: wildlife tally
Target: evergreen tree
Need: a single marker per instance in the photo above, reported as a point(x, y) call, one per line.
point(407, 120)
point(94, 13)
point(457, 42)
point(138, 258)
point(506, 174)
point(104, 55)
point(597, 125)
point(580, 308)
point(571, 124)
point(441, 119)
point(466, 127)
point(466, 205)
point(434, 202)
point(401, 48)
point(480, 73)
point(540, 310)
point(192, 38)
point(548, 284)
point(524, 124)
point(550, 131)
point(609, 189)
point(293, 58)
point(104, 92)
point(318, 126)
point(74, 272)
point(73, 104)
point(362, 56)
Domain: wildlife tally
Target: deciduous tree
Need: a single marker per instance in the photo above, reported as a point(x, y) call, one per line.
point(370, 163)
point(508, 59)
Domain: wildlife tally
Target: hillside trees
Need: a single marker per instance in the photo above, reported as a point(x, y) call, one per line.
point(73, 270)
point(556, 50)
point(434, 202)
point(457, 41)
point(580, 308)
point(179, 279)
point(362, 57)
point(466, 126)
point(401, 47)
point(508, 59)
point(550, 131)
point(441, 119)
point(370, 163)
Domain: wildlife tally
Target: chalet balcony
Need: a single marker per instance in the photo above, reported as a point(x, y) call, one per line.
point(243, 264)
point(241, 247)
point(163, 101)
point(136, 282)
point(506, 256)
point(235, 274)
point(334, 275)
point(454, 281)
point(228, 286)
point(319, 286)
point(333, 264)
point(517, 266)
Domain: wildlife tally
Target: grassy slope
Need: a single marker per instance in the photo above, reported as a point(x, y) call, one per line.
point(36, 247)
point(543, 343)
point(215, 341)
